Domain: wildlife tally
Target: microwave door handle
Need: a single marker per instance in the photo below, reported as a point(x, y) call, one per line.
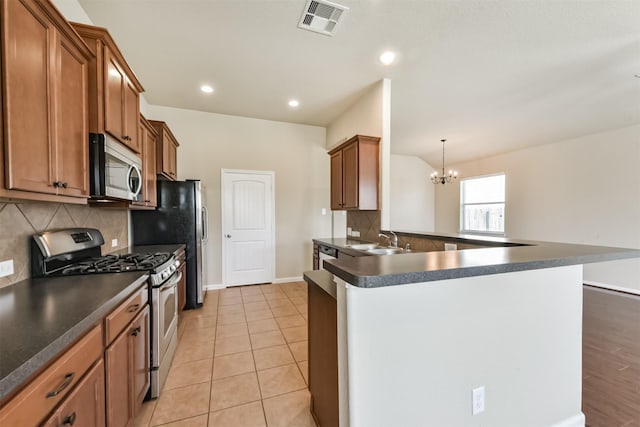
point(135, 191)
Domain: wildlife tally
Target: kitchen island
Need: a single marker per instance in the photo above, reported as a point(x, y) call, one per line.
point(418, 332)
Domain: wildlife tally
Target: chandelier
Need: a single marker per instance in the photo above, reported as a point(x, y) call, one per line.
point(444, 178)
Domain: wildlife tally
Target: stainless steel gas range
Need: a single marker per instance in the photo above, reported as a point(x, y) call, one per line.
point(75, 251)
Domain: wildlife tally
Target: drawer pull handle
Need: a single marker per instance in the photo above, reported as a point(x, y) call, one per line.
point(136, 331)
point(69, 420)
point(133, 308)
point(65, 383)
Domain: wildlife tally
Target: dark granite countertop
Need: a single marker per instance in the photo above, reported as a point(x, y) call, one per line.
point(323, 279)
point(341, 243)
point(512, 255)
point(39, 318)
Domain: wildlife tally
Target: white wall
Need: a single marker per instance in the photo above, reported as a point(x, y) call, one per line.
point(297, 154)
point(370, 115)
point(415, 352)
point(412, 206)
point(585, 190)
point(72, 11)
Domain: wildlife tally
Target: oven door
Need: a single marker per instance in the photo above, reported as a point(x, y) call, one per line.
point(165, 324)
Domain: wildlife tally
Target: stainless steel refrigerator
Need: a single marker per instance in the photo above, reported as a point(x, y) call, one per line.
point(181, 217)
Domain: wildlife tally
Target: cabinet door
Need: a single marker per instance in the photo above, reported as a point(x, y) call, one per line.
point(148, 140)
point(173, 160)
point(113, 97)
point(71, 143)
point(117, 359)
point(85, 405)
point(350, 176)
point(336, 180)
point(131, 116)
point(139, 368)
point(29, 55)
point(169, 168)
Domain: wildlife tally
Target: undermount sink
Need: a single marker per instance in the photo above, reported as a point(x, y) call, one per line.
point(385, 251)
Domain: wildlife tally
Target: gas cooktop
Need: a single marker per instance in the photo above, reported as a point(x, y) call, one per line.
point(118, 263)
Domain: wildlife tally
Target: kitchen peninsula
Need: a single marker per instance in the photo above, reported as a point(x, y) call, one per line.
point(419, 332)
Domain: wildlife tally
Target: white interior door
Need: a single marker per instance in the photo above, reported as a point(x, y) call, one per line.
point(248, 227)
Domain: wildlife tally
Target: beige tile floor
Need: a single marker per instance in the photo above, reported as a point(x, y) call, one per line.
point(241, 362)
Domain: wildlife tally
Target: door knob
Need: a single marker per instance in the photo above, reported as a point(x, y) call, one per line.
point(228, 236)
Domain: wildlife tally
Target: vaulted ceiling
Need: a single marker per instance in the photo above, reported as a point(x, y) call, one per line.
point(490, 76)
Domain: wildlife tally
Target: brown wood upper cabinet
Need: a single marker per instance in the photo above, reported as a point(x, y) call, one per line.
point(355, 172)
point(148, 138)
point(167, 151)
point(114, 90)
point(44, 151)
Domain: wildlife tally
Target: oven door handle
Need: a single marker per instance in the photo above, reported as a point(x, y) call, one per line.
point(172, 283)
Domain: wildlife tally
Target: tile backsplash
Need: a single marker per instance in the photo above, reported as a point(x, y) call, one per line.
point(18, 221)
point(366, 222)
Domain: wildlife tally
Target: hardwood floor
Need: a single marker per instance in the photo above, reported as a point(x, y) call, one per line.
point(611, 359)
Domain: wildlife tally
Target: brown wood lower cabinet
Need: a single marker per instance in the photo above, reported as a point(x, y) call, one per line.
point(85, 405)
point(323, 356)
point(127, 370)
point(86, 385)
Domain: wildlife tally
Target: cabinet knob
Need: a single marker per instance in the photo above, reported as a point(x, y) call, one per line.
point(56, 184)
point(228, 236)
point(64, 185)
point(136, 331)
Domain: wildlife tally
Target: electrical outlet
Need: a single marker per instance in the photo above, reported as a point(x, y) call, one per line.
point(355, 233)
point(114, 243)
point(349, 231)
point(324, 211)
point(478, 400)
point(6, 268)
point(450, 247)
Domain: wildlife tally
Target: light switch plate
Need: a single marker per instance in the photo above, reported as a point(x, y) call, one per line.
point(6, 268)
point(114, 243)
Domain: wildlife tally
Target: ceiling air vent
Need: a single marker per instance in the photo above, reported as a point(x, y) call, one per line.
point(321, 16)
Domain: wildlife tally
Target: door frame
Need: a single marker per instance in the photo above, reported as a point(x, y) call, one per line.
point(272, 176)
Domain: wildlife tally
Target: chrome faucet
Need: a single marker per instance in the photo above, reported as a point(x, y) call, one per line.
point(392, 243)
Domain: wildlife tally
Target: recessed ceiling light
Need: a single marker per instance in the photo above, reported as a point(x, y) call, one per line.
point(387, 58)
point(206, 89)
point(293, 103)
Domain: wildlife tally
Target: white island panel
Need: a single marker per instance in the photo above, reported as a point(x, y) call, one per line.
point(410, 355)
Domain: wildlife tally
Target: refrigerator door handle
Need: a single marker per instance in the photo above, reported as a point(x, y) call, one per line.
point(205, 224)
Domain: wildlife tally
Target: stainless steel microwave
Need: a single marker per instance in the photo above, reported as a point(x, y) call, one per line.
point(115, 170)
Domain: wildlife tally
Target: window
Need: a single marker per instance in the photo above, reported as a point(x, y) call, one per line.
point(482, 204)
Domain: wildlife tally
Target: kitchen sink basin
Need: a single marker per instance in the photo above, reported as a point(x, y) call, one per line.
point(385, 251)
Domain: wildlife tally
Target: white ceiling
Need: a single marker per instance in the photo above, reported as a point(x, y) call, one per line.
point(490, 76)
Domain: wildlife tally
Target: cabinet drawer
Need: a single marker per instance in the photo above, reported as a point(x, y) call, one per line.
point(51, 386)
point(85, 404)
point(115, 322)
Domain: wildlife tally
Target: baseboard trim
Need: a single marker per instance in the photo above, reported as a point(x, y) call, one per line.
point(218, 286)
point(612, 287)
point(577, 420)
point(288, 279)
